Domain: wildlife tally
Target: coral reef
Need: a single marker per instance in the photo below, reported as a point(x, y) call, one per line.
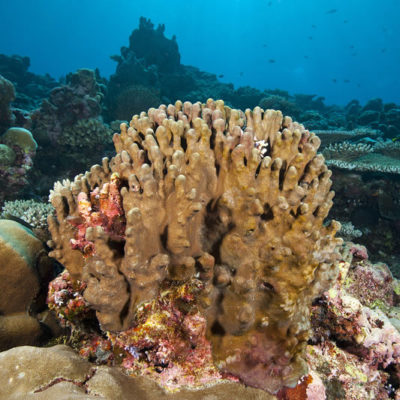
point(134, 99)
point(79, 99)
point(276, 102)
point(370, 202)
point(17, 149)
point(154, 48)
point(7, 95)
point(236, 213)
point(59, 373)
point(66, 299)
point(366, 182)
point(376, 115)
point(69, 123)
point(354, 336)
point(31, 88)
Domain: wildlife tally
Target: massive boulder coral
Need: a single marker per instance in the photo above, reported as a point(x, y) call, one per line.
point(25, 271)
point(230, 204)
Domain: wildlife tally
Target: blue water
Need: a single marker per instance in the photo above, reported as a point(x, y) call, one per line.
point(341, 49)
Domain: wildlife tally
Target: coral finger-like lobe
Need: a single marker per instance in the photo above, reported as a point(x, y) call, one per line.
point(231, 202)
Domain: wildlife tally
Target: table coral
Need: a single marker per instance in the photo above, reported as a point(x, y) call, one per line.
point(213, 197)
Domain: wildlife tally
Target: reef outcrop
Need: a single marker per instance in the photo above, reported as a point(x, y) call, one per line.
point(225, 208)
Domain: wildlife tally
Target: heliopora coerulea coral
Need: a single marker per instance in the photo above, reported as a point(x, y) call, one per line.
point(230, 204)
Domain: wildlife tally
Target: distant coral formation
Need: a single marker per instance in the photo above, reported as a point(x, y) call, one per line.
point(17, 150)
point(230, 205)
point(7, 95)
point(31, 88)
point(69, 123)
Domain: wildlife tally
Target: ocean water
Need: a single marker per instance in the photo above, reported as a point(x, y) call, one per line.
point(332, 65)
point(338, 49)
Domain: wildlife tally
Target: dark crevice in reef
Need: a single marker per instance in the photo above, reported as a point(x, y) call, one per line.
point(183, 143)
point(393, 382)
point(125, 309)
point(257, 170)
point(214, 231)
point(81, 384)
point(164, 237)
point(282, 174)
point(267, 215)
point(65, 207)
point(212, 140)
point(117, 246)
point(217, 329)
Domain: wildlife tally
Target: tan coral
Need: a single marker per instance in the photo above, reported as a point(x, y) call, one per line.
point(234, 200)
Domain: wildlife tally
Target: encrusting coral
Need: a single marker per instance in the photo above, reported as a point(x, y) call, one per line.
point(228, 204)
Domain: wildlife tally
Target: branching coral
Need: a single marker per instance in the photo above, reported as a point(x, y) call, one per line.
point(348, 231)
point(30, 211)
point(232, 203)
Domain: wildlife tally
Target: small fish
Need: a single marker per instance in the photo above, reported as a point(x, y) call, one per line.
point(351, 46)
point(306, 57)
point(220, 75)
point(264, 45)
point(334, 80)
point(241, 74)
point(396, 139)
point(313, 26)
point(271, 60)
point(310, 37)
point(383, 50)
point(332, 11)
point(358, 85)
point(354, 54)
point(269, 4)
point(345, 21)
point(346, 81)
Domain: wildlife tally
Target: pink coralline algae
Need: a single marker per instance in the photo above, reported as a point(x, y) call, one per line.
point(66, 300)
point(358, 251)
point(356, 349)
point(168, 343)
point(344, 375)
point(104, 209)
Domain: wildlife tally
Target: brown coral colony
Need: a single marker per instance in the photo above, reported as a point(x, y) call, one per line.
point(232, 202)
